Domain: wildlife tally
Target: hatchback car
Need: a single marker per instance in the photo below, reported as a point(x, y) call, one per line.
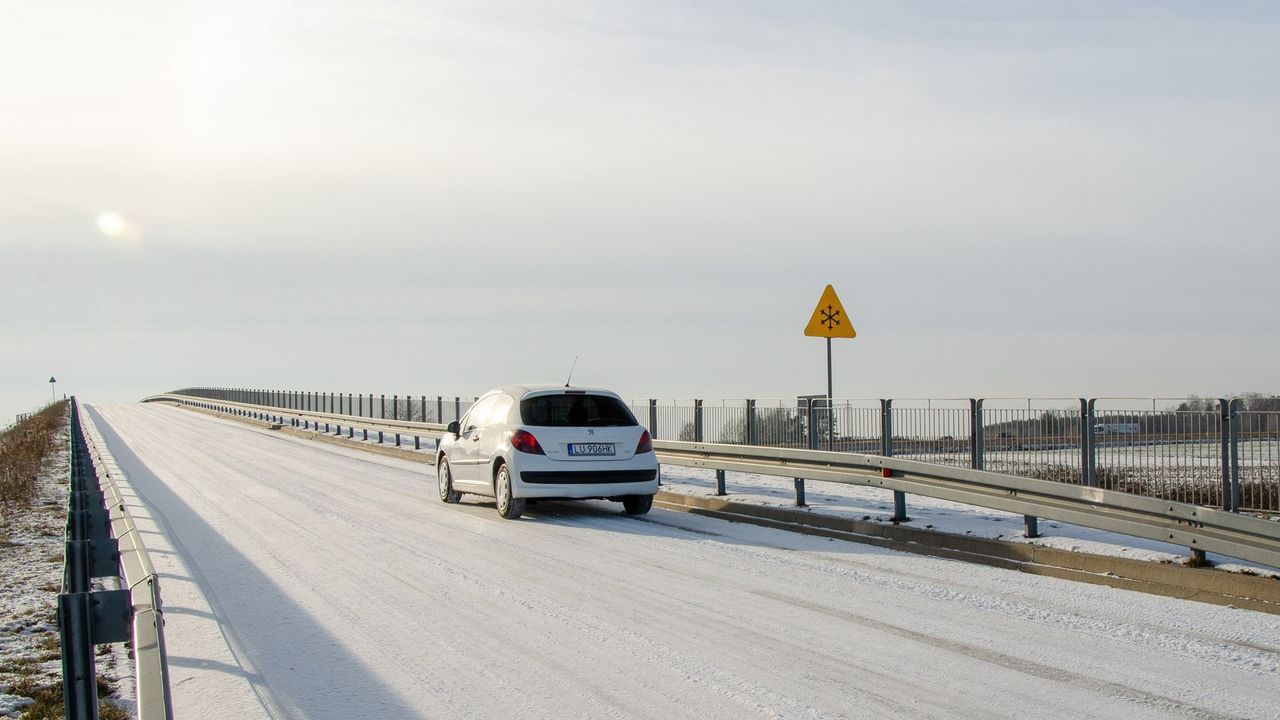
point(520, 443)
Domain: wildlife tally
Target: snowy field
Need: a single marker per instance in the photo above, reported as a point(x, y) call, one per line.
point(31, 565)
point(306, 580)
point(31, 558)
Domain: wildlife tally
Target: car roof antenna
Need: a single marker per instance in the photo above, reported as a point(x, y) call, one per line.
point(571, 367)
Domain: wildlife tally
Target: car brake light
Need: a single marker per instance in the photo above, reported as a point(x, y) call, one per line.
point(646, 443)
point(525, 442)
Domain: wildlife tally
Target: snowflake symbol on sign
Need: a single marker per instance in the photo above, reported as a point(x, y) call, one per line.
point(830, 317)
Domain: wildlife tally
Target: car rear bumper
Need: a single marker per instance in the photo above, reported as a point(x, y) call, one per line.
point(562, 482)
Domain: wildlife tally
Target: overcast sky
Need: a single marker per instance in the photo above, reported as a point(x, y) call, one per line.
point(1011, 199)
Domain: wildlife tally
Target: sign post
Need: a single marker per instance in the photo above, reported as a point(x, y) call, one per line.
point(829, 320)
point(53, 388)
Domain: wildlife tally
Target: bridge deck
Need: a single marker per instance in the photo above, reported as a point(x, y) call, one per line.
point(304, 580)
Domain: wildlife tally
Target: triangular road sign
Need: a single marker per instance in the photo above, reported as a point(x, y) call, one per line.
point(829, 318)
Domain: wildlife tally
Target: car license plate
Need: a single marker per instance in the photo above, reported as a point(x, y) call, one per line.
point(586, 449)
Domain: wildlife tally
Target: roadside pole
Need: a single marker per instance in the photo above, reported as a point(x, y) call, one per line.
point(829, 320)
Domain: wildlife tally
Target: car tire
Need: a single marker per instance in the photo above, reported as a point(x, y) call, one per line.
point(444, 479)
point(637, 504)
point(510, 508)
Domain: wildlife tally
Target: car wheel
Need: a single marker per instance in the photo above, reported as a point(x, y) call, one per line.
point(637, 504)
point(508, 507)
point(444, 479)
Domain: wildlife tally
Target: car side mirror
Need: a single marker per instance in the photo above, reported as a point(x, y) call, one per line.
point(452, 428)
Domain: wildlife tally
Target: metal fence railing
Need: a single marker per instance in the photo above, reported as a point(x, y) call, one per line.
point(1216, 452)
point(1038, 438)
point(1201, 530)
point(103, 542)
point(1255, 458)
point(933, 431)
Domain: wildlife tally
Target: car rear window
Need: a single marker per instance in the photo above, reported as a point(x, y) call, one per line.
point(575, 410)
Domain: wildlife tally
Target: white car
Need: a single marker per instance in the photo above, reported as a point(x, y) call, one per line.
point(519, 443)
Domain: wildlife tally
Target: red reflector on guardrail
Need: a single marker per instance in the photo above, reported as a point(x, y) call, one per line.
point(886, 472)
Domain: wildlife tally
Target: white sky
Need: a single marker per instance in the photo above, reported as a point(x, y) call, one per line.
point(1011, 199)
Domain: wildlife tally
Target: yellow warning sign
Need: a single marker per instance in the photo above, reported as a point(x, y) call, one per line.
point(829, 318)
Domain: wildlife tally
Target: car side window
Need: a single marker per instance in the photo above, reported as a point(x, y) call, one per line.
point(501, 408)
point(475, 417)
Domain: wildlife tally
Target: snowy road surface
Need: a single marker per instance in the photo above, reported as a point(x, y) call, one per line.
point(305, 580)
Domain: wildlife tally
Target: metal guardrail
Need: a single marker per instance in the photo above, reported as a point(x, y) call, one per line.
point(1208, 451)
point(102, 541)
point(1197, 528)
point(317, 421)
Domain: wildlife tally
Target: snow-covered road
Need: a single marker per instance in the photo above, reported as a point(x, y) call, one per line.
point(305, 580)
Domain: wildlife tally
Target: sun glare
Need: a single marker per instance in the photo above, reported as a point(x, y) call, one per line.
point(119, 230)
point(111, 224)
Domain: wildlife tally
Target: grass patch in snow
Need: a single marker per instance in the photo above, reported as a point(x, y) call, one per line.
point(44, 702)
point(24, 450)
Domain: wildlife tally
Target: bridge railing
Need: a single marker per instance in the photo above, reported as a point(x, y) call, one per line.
point(103, 542)
point(1196, 527)
point(1212, 452)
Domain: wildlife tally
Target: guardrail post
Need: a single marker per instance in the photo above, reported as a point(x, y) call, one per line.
point(440, 408)
point(1235, 455)
point(899, 507)
point(886, 449)
point(1030, 526)
point(720, 482)
point(1224, 438)
point(653, 418)
point(977, 450)
point(976, 459)
point(80, 686)
point(1229, 411)
point(886, 428)
point(811, 414)
point(697, 420)
point(1088, 442)
point(751, 423)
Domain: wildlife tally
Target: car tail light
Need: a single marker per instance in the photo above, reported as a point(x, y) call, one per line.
point(646, 443)
point(525, 442)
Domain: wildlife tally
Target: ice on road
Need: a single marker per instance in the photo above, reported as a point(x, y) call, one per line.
point(303, 580)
